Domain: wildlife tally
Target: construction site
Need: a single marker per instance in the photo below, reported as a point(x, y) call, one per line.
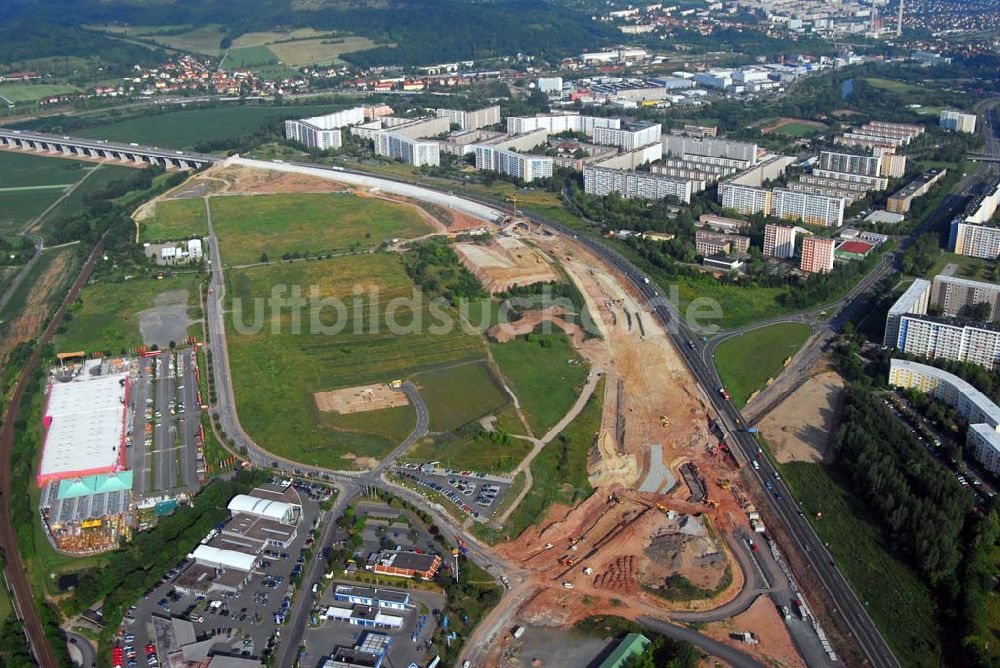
point(667, 531)
point(362, 398)
point(504, 262)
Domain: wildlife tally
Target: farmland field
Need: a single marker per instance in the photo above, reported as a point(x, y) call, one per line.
point(204, 39)
point(105, 317)
point(184, 129)
point(746, 362)
point(545, 373)
point(31, 183)
point(318, 51)
point(29, 92)
point(251, 56)
point(249, 227)
point(24, 169)
point(276, 371)
point(175, 219)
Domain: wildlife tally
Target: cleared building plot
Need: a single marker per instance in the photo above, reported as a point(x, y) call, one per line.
point(505, 262)
point(799, 429)
point(360, 399)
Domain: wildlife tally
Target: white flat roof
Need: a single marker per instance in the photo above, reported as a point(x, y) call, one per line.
point(227, 558)
point(85, 421)
point(252, 505)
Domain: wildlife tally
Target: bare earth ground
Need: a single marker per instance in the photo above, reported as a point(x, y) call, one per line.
point(764, 621)
point(28, 323)
point(782, 122)
point(631, 545)
point(246, 180)
point(360, 399)
point(167, 320)
point(505, 262)
point(799, 428)
point(507, 331)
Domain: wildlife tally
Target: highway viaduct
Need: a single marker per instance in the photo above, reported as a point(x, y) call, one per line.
point(103, 150)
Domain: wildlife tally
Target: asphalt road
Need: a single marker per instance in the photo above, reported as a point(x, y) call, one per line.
point(732, 656)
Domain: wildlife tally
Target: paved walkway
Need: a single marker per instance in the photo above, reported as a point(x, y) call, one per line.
point(539, 443)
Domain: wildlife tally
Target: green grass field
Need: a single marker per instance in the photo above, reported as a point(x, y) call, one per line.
point(392, 424)
point(479, 391)
point(276, 373)
point(18, 209)
point(973, 268)
point(105, 318)
point(798, 130)
point(747, 361)
point(899, 603)
point(184, 129)
point(28, 92)
point(31, 183)
point(545, 373)
point(250, 56)
point(175, 219)
point(891, 85)
point(18, 170)
point(466, 452)
point(251, 226)
point(559, 472)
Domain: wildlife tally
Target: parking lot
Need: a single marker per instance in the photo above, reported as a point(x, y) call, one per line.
point(163, 439)
point(938, 444)
point(476, 494)
point(242, 623)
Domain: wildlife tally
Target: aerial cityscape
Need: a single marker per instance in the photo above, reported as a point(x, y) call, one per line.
point(499, 333)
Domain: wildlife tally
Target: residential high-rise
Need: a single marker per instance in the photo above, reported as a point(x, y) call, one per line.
point(914, 300)
point(471, 120)
point(779, 241)
point(523, 166)
point(954, 296)
point(744, 199)
point(412, 151)
point(817, 255)
point(604, 181)
point(975, 240)
point(323, 132)
point(850, 163)
point(628, 138)
point(952, 119)
point(962, 341)
point(983, 416)
point(810, 208)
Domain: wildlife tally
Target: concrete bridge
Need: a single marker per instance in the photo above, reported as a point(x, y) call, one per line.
point(103, 150)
